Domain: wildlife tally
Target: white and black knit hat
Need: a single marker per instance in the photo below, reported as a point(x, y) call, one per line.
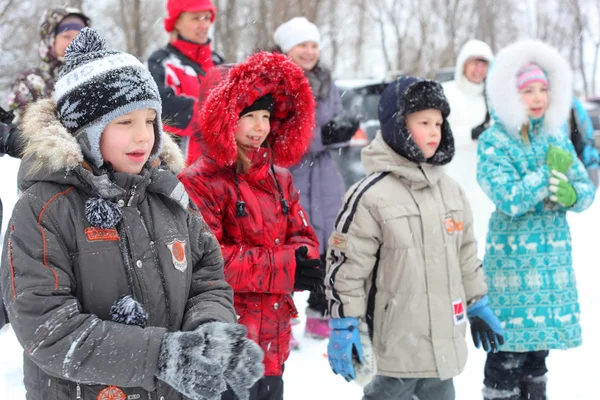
point(96, 86)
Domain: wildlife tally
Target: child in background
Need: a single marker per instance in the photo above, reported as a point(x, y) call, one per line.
point(402, 267)
point(259, 118)
point(528, 168)
point(115, 289)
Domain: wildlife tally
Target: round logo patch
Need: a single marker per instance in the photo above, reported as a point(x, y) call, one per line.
point(178, 251)
point(111, 393)
point(449, 225)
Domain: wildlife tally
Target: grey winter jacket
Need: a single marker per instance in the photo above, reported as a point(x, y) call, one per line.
point(62, 274)
point(317, 176)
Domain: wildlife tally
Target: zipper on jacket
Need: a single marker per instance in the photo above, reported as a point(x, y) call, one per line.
point(304, 222)
point(78, 392)
point(131, 194)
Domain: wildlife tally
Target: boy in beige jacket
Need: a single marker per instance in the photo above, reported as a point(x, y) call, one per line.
point(402, 268)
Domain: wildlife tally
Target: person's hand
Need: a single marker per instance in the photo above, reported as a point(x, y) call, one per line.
point(562, 191)
point(344, 348)
point(485, 326)
point(309, 272)
point(558, 160)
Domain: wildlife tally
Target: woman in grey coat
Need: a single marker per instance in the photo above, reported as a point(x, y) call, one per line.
point(317, 175)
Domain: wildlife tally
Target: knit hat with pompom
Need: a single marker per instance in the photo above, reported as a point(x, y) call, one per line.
point(96, 86)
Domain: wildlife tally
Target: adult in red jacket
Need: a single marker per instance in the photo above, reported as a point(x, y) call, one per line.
point(179, 68)
point(261, 115)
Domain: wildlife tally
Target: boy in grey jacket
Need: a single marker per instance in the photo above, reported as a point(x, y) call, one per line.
point(402, 268)
point(114, 287)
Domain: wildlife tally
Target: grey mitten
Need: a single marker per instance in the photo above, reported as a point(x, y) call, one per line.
point(242, 359)
point(184, 364)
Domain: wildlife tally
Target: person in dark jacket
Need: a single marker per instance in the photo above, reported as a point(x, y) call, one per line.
point(179, 69)
point(258, 119)
point(58, 28)
point(115, 285)
point(317, 175)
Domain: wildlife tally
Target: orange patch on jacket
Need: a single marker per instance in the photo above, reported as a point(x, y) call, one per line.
point(99, 234)
point(111, 393)
point(178, 251)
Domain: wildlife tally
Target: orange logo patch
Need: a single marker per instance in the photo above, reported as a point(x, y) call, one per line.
point(449, 226)
point(111, 393)
point(177, 249)
point(459, 227)
point(98, 234)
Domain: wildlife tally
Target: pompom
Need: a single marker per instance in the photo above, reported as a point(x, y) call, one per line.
point(126, 310)
point(87, 41)
point(102, 213)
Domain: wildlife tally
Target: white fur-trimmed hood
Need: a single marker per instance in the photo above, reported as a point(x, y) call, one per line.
point(50, 147)
point(501, 86)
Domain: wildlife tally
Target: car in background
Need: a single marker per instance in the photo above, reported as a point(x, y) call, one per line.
point(444, 74)
point(360, 99)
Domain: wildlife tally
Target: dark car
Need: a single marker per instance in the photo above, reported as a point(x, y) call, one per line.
point(445, 74)
point(360, 98)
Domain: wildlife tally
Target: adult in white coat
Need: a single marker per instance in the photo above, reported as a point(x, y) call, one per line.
point(468, 110)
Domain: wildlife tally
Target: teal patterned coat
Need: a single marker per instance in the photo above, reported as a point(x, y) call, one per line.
point(528, 262)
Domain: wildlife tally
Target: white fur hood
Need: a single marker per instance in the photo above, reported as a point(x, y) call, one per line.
point(503, 95)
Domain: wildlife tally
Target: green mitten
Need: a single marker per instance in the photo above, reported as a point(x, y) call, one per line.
point(558, 159)
point(562, 191)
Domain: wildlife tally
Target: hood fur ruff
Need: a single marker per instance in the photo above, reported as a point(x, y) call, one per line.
point(502, 90)
point(53, 148)
point(292, 120)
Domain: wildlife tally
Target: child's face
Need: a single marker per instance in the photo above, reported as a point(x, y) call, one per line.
point(535, 98)
point(253, 128)
point(305, 54)
point(425, 128)
point(128, 140)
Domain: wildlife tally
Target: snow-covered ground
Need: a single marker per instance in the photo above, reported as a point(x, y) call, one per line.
point(573, 374)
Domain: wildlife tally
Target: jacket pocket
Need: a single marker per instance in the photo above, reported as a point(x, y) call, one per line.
point(401, 225)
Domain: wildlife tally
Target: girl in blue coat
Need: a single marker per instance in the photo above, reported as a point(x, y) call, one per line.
point(529, 169)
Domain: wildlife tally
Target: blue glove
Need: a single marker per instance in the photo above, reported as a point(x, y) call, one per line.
point(344, 344)
point(485, 326)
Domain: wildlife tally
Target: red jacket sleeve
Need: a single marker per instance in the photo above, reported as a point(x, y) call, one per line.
point(254, 269)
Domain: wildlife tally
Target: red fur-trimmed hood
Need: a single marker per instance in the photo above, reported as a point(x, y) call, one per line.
point(292, 120)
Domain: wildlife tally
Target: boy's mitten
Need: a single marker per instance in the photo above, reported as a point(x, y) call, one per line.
point(309, 272)
point(485, 326)
point(241, 358)
point(558, 159)
point(184, 364)
point(126, 310)
point(344, 347)
point(562, 191)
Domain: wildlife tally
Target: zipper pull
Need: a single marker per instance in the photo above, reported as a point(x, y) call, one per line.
point(131, 195)
point(304, 222)
point(78, 390)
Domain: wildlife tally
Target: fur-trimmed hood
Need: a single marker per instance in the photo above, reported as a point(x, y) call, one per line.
point(503, 95)
point(51, 153)
point(292, 120)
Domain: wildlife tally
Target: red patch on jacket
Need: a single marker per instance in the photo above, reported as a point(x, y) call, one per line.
point(98, 234)
point(292, 120)
point(111, 393)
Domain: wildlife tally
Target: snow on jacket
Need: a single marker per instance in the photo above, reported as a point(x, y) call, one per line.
point(317, 176)
point(467, 101)
point(403, 257)
point(528, 250)
point(178, 70)
point(63, 274)
point(36, 83)
point(258, 248)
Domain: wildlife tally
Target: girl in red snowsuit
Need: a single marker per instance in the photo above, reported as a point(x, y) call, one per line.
point(262, 115)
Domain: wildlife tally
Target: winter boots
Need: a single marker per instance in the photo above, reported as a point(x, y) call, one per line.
point(317, 326)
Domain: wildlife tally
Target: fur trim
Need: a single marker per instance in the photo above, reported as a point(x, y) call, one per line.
point(292, 121)
point(366, 371)
point(53, 148)
point(501, 84)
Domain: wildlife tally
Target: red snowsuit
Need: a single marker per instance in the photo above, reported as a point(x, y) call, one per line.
point(258, 248)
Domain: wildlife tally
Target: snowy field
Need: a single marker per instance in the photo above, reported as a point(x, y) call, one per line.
point(573, 374)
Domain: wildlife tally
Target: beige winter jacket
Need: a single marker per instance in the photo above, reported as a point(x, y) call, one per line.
point(403, 258)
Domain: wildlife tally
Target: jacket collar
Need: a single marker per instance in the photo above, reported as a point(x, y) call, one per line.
point(200, 54)
point(379, 157)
